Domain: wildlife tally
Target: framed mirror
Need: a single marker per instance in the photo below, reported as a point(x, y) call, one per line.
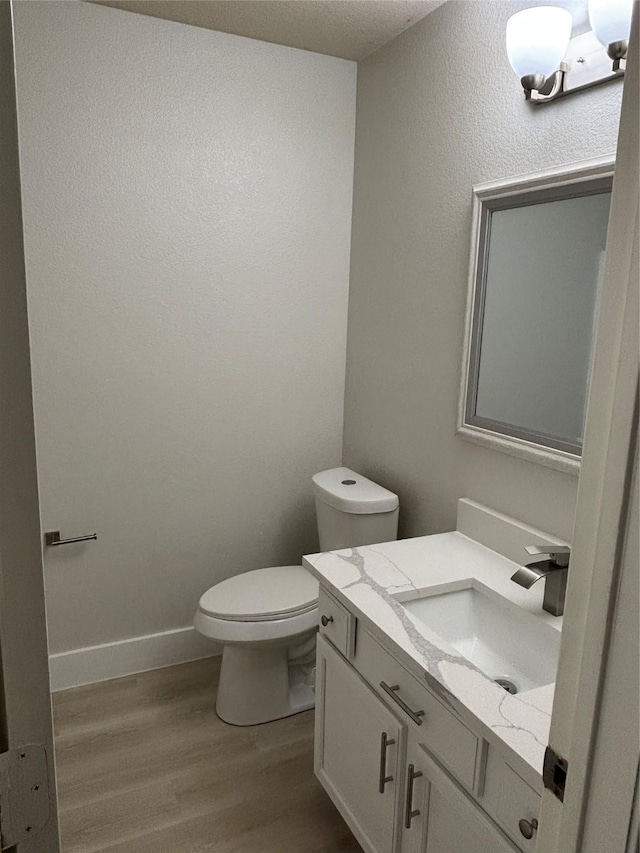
point(537, 254)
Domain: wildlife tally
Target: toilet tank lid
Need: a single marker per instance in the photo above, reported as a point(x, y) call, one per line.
point(348, 491)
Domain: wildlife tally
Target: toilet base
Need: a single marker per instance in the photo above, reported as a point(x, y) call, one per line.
point(258, 685)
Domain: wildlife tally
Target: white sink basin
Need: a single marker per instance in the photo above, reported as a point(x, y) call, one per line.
point(503, 641)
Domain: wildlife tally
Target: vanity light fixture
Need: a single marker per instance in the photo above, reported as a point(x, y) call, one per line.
point(551, 64)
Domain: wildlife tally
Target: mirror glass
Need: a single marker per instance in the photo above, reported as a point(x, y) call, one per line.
point(535, 281)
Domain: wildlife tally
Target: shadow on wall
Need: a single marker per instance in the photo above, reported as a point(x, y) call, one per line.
point(296, 533)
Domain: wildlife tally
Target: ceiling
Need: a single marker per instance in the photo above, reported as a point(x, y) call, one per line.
point(351, 29)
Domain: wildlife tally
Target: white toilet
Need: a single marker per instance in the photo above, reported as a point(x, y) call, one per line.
point(267, 618)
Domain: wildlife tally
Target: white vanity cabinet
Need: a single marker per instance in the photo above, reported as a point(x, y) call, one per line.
point(358, 750)
point(406, 773)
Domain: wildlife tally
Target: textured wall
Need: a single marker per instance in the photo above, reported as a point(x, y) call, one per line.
point(439, 110)
point(187, 202)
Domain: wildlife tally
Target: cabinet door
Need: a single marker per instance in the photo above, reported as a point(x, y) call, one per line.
point(451, 821)
point(357, 751)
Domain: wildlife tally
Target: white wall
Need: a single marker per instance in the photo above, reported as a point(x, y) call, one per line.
point(187, 202)
point(439, 110)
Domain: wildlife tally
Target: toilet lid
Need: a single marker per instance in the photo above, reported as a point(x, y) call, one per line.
point(273, 593)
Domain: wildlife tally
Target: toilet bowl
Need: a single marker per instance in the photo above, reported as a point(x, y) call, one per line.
point(266, 619)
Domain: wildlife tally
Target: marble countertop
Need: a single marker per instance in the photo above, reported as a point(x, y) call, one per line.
point(367, 580)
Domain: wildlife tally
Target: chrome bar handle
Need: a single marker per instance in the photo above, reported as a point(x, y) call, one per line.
point(393, 692)
point(410, 812)
point(385, 741)
point(53, 538)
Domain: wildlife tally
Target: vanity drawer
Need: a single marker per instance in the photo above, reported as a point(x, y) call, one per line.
point(437, 729)
point(336, 623)
point(509, 800)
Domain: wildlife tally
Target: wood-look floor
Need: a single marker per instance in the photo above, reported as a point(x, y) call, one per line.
point(145, 766)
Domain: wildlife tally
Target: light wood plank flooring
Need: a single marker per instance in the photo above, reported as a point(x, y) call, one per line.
point(145, 766)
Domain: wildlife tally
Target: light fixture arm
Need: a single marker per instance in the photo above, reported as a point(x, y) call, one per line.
point(533, 84)
point(617, 50)
point(586, 64)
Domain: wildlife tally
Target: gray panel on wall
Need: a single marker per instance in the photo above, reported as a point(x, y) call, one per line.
point(538, 321)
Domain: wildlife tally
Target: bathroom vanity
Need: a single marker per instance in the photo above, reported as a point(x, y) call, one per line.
point(416, 744)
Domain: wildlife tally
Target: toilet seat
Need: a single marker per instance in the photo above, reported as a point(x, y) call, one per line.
point(270, 604)
point(261, 595)
point(230, 631)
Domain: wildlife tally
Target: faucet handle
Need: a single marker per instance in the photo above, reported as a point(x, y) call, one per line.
point(558, 554)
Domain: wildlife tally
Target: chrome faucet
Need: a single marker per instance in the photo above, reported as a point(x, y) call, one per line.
point(555, 571)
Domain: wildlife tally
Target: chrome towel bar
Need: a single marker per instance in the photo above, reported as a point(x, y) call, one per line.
point(53, 538)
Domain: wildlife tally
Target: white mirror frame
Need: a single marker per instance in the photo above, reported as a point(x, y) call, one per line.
point(559, 178)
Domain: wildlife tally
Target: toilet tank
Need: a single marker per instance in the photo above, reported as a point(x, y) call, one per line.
point(352, 510)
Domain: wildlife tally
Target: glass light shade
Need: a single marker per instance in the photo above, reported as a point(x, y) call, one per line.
point(610, 20)
point(537, 39)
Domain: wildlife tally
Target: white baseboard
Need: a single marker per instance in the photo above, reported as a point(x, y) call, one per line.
point(126, 657)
